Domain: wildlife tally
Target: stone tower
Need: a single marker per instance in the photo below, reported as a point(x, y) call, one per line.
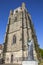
point(19, 32)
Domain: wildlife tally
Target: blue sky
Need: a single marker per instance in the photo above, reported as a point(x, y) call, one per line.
point(34, 7)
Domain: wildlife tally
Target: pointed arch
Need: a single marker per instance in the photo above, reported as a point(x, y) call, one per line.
point(14, 39)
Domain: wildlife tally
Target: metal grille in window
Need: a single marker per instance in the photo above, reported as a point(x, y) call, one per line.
point(14, 39)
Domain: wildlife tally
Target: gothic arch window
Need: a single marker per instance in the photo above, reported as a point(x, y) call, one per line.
point(14, 39)
point(11, 58)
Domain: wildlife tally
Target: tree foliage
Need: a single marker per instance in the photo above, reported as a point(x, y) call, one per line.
point(41, 52)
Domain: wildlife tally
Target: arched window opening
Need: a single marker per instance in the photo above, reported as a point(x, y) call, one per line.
point(14, 39)
point(11, 58)
point(15, 20)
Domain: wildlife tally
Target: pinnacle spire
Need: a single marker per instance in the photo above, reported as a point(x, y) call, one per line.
point(23, 5)
point(11, 12)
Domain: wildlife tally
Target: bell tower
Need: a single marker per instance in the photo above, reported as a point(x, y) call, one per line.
point(19, 32)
